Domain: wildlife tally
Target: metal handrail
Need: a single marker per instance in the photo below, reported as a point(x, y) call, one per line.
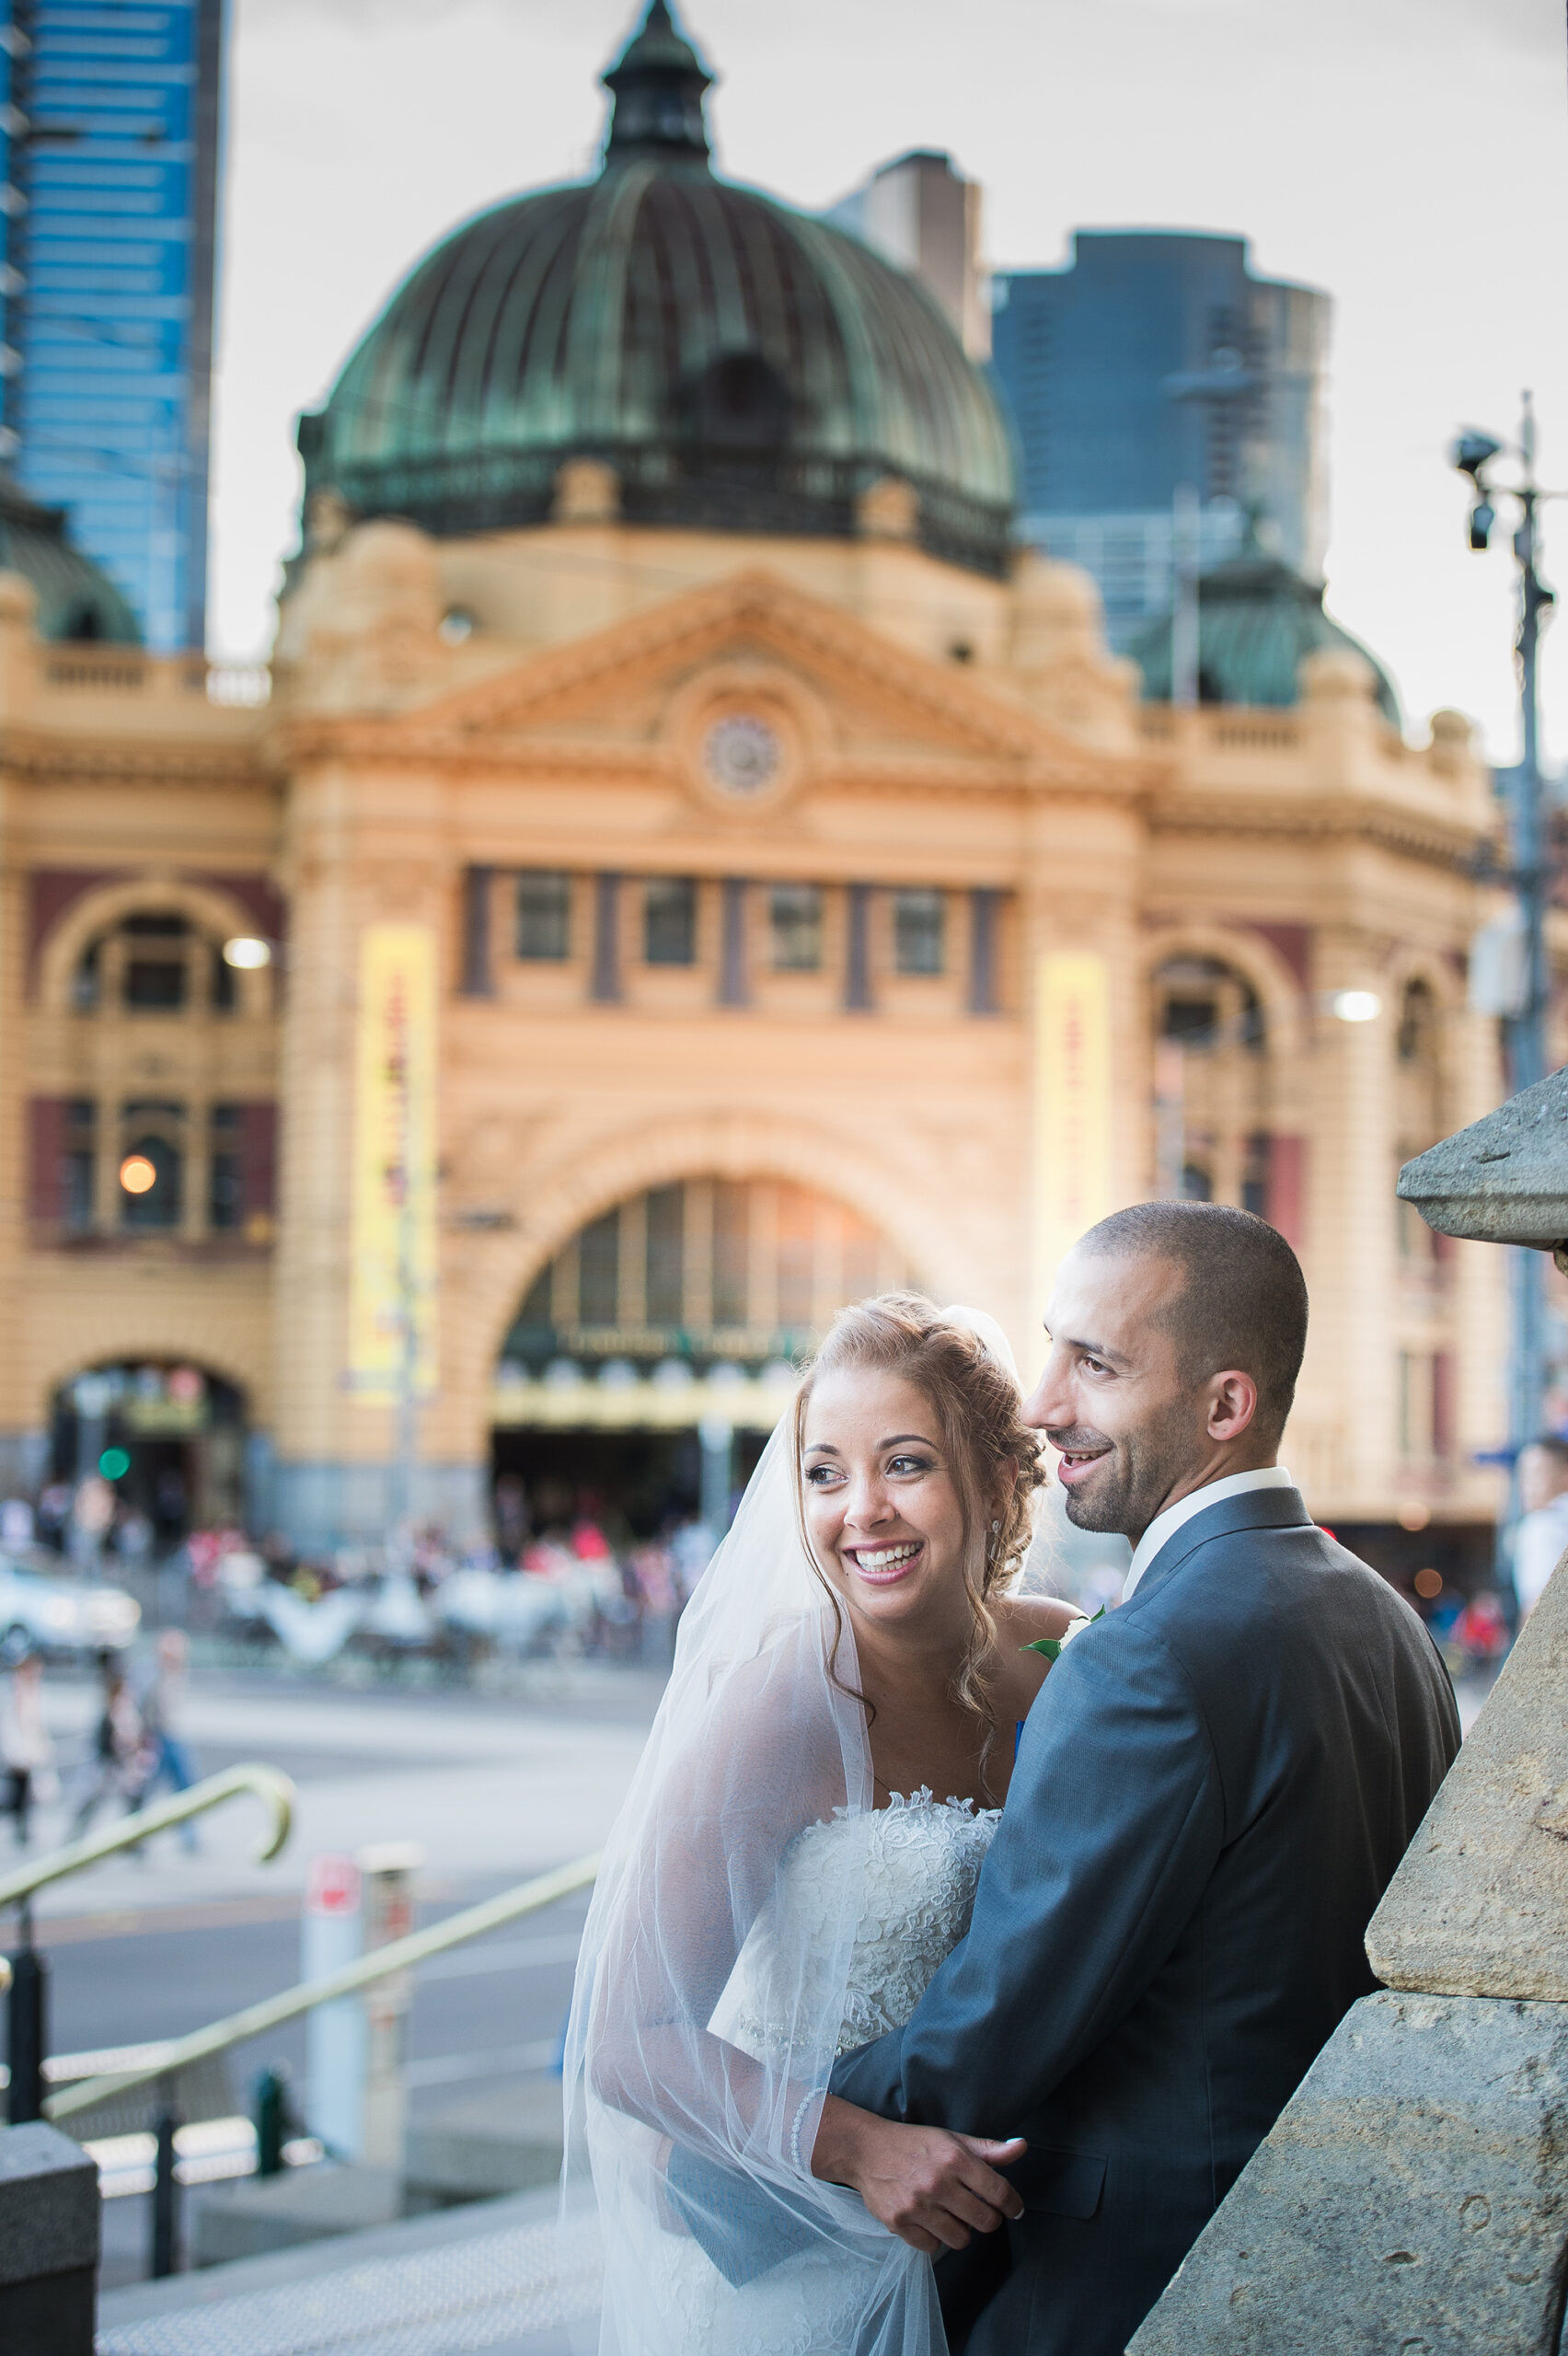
point(269, 1784)
point(400, 1954)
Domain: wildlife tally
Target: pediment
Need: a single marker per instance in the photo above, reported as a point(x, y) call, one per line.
point(852, 699)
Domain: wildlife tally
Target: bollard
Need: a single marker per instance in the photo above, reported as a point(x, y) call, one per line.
point(336, 2034)
point(389, 1881)
point(163, 2257)
point(27, 2017)
point(272, 2105)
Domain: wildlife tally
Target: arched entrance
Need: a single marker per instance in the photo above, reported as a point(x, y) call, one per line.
point(168, 1437)
point(652, 1355)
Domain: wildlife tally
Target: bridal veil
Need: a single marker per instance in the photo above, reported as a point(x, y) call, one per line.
point(759, 1735)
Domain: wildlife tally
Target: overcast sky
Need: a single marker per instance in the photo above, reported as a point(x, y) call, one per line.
point(1407, 155)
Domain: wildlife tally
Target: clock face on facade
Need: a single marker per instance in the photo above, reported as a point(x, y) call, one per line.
point(742, 754)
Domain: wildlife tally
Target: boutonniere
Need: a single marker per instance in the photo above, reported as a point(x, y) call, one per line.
point(1053, 1647)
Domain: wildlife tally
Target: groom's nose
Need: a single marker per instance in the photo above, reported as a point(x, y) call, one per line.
point(1050, 1401)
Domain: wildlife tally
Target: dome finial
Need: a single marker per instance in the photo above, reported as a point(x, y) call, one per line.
point(657, 84)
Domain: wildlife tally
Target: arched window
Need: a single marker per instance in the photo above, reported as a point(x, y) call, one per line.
point(155, 961)
point(1212, 1099)
point(705, 1269)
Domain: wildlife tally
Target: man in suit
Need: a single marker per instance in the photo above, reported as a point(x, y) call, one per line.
point(1210, 1796)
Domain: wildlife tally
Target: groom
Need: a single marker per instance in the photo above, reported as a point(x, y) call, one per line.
point(1211, 1794)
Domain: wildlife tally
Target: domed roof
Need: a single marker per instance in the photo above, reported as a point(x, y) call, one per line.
point(76, 601)
point(1257, 621)
point(740, 365)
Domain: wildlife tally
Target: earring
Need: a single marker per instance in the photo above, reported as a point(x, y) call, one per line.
point(991, 1549)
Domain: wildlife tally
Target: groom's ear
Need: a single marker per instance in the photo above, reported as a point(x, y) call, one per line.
point(1232, 1404)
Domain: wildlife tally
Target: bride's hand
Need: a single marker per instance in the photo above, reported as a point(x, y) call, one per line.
point(932, 2189)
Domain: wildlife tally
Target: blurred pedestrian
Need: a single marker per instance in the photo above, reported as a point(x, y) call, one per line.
point(161, 1703)
point(1543, 1533)
point(1481, 1631)
point(26, 1751)
point(16, 1525)
point(119, 1761)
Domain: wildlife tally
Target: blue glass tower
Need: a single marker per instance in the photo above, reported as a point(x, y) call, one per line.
point(1157, 362)
point(109, 140)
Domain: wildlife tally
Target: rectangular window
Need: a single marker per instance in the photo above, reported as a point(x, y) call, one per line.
point(731, 1253)
point(598, 1271)
point(795, 915)
point(918, 928)
point(544, 917)
point(75, 1162)
point(155, 984)
point(225, 1205)
point(225, 988)
point(666, 1256)
point(152, 1165)
point(669, 922)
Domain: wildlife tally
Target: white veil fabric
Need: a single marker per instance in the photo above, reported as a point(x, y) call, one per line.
point(718, 2240)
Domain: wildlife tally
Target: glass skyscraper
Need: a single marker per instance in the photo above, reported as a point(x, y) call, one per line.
point(108, 141)
point(1155, 364)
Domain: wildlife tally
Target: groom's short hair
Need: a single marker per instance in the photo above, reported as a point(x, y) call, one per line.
point(1243, 1298)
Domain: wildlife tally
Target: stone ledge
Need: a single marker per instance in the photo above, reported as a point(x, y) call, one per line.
point(1479, 1906)
point(1411, 2197)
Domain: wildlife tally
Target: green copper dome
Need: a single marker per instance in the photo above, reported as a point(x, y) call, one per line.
point(1257, 619)
point(76, 601)
point(739, 366)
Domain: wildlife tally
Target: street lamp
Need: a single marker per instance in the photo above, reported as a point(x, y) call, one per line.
point(1527, 1008)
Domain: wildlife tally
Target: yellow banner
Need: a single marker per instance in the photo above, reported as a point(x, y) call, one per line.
point(392, 1292)
point(1072, 1105)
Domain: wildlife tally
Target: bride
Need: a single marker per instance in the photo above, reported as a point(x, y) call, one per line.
point(800, 1853)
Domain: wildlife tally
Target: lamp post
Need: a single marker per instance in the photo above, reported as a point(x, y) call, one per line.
point(1524, 1018)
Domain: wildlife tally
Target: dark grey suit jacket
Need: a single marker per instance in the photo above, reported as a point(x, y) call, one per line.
point(1211, 1794)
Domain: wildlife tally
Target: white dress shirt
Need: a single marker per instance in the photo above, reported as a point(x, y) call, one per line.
point(1165, 1525)
point(1538, 1543)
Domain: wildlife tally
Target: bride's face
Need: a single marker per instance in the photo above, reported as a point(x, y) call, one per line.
point(882, 1507)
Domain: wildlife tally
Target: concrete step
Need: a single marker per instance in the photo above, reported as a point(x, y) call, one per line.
point(256, 2214)
point(505, 2139)
point(498, 2278)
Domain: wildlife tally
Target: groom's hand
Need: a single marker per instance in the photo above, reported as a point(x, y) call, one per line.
point(932, 2189)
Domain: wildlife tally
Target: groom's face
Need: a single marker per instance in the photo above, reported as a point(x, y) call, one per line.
point(1113, 1398)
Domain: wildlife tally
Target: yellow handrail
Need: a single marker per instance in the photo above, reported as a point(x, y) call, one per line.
point(270, 1784)
point(400, 1954)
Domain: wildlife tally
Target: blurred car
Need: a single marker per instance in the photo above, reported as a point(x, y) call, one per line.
point(56, 1614)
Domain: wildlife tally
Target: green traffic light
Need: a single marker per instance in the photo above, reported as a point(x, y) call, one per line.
point(114, 1464)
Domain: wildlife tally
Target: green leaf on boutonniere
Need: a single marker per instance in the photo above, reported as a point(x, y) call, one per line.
point(1052, 1646)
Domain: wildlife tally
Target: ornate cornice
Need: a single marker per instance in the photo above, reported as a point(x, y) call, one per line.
point(1330, 816)
point(167, 761)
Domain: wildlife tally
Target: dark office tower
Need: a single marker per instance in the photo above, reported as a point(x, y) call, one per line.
point(1154, 365)
point(110, 131)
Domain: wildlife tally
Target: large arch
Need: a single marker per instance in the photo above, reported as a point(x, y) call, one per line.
point(207, 907)
point(205, 1341)
point(719, 1145)
point(1258, 963)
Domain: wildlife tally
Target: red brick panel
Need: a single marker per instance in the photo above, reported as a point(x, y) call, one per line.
point(258, 1157)
point(46, 1121)
point(1287, 1189)
point(52, 890)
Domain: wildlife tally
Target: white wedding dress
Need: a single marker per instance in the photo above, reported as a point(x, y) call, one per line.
point(919, 1861)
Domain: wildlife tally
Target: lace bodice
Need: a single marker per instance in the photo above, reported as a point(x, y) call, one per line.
point(916, 1863)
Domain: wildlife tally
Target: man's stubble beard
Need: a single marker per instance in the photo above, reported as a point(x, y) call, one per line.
point(1140, 1472)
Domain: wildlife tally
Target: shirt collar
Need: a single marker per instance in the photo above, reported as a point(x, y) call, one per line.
point(1165, 1525)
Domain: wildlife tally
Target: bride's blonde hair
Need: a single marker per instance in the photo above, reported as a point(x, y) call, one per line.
point(993, 1455)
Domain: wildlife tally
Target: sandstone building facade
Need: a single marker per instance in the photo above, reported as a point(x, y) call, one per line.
point(811, 903)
